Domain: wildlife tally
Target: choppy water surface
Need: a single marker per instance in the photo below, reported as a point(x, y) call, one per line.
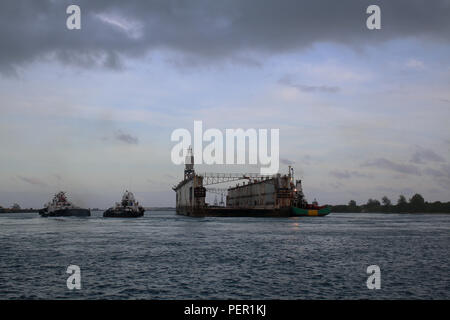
point(165, 256)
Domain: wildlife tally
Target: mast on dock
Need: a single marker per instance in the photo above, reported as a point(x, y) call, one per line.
point(189, 164)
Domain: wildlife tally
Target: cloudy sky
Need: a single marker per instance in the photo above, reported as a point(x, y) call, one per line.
point(362, 113)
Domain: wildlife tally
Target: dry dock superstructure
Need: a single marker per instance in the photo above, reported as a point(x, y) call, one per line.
point(256, 196)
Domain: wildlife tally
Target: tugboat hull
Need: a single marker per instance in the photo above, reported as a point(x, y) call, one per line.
point(233, 212)
point(320, 212)
point(116, 213)
point(66, 213)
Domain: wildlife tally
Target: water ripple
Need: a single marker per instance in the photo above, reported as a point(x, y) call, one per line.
point(164, 256)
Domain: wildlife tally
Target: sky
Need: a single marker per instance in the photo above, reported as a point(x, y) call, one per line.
point(362, 113)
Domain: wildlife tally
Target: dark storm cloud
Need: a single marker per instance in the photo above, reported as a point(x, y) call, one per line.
point(383, 163)
point(422, 155)
point(126, 137)
point(202, 29)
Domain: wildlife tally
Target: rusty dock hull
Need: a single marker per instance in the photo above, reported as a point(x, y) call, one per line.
point(233, 212)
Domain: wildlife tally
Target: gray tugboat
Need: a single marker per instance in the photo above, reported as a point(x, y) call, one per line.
point(127, 208)
point(61, 207)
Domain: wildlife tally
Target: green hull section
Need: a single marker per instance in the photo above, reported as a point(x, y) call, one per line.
point(310, 212)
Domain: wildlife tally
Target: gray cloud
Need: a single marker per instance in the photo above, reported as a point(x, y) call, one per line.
point(395, 191)
point(203, 30)
point(383, 163)
point(336, 185)
point(57, 177)
point(286, 162)
point(442, 175)
point(422, 156)
point(288, 81)
point(32, 181)
point(126, 137)
point(345, 174)
point(340, 174)
point(433, 172)
point(156, 182)
point(327, 89)
point(307, 160)
point(443, 172)
point(169, 176)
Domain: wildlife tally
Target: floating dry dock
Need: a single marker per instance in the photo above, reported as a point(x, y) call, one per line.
point(259, 196)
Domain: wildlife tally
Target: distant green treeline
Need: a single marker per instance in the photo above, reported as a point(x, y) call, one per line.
point(415, 205)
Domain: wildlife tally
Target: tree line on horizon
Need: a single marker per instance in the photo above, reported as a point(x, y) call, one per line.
point(416, 204)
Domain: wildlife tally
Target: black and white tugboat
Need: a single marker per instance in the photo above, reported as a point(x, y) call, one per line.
point(127, 208)
point(61, 207)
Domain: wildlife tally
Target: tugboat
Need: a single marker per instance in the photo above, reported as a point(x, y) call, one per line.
point(61, 207)
point(127, 208)
point(312, 210)
point(301, 207)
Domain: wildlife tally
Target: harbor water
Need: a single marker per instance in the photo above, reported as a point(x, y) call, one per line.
point(165, 256)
